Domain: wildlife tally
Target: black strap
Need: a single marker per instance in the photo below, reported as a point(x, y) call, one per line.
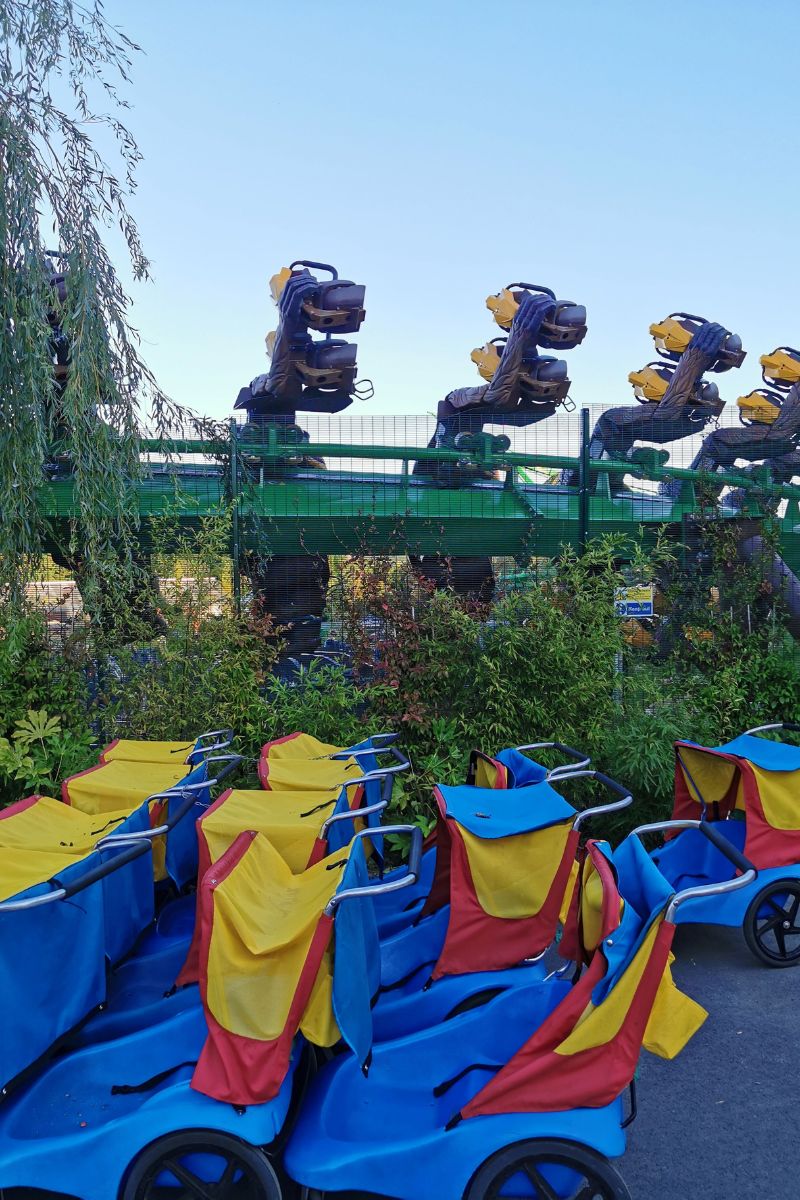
point(133, 1089)
point(391, 987)
point(441, 1088)
point(319, 808)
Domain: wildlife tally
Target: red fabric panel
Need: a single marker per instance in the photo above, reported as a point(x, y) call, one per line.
point(241, 1070)
point(318, 851)
point(476, 941)
point(538, 1080)
point(570, 946)
point(189, 972)
point(439, 894)
point(765, 846)
point(18, 807)
point(263, 761)
point(358, 797)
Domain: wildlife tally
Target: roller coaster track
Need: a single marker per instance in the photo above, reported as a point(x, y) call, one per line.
point(287, 509)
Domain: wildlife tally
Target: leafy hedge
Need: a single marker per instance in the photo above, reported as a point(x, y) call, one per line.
point(549, 661)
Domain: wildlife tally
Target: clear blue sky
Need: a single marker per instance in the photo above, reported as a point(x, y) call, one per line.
point(636, 157)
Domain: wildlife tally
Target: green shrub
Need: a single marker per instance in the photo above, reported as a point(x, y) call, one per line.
point(33, 678)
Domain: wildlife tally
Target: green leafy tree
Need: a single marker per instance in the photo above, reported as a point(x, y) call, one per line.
point(67, 171)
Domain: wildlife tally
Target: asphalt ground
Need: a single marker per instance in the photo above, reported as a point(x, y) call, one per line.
point(722, 1121)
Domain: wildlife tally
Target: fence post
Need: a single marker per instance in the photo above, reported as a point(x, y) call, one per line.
point(583, 483)
point(234, 491)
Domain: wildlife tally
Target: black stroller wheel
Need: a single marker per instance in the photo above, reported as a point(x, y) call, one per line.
point(521, 1171)
point(201, 1164)
point(772, 924)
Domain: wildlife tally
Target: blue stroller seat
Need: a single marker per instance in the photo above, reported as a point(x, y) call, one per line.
point(524, 1093)
point(510, 768)
point(89, 1115)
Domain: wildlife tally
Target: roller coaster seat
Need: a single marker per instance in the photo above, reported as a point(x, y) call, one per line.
point(487, 357)
point(650, 385)
point(759, 407)
point(673, 335)
point(336, 304)
point(328, 364)
point(781, 368)
point(543, 380)
point(563, 330)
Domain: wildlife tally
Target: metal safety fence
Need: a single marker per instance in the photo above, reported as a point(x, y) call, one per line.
point(278, 509)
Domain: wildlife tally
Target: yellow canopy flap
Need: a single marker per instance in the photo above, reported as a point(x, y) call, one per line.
point(279, 817)
point(264, 921)
point(300, 745)
point(709, 775)
point(675, 1018)
point(779, 800)
point(147, 752)
point(120, 785)
point(41, 838)
point(512, 876)
point(307, 774)
point(599, 1024)
point(713, 776)
point(20, 870)
point(486, 772)
point(49, 825)
point(301, 761)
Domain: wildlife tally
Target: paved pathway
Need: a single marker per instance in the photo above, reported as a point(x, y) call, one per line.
point(722, 1122)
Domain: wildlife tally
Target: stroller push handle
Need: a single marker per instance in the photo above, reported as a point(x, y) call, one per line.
point(91, 877)
point(578, 757)
point(207, 743)
point(722, 844)
point(380, 773)
point(375, 751)
point(617, 789)
point(233, 761)
point(392, 885)
point(725, 847)
point(146, 835)
point(789, 726)
point(352, 814)
point(381, 742)
point(226, 734)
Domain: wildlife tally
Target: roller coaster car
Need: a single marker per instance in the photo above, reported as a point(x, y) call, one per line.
point(673, 335)
point(337, 304)
point(328, 365)
point(544, 379)
point(781, 368)
point(651, 383)
point(759, 407)
point(565, 329)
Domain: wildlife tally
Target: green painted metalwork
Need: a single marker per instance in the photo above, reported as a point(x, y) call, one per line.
point(287, 509)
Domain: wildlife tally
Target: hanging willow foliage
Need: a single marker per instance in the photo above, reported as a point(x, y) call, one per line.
point(60, 66)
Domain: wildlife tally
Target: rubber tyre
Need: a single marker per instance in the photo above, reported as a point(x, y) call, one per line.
point(753, 935)
point(595, 1169)
point(261, 1182)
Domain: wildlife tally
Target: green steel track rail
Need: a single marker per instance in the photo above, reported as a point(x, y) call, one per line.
point(285, 509)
